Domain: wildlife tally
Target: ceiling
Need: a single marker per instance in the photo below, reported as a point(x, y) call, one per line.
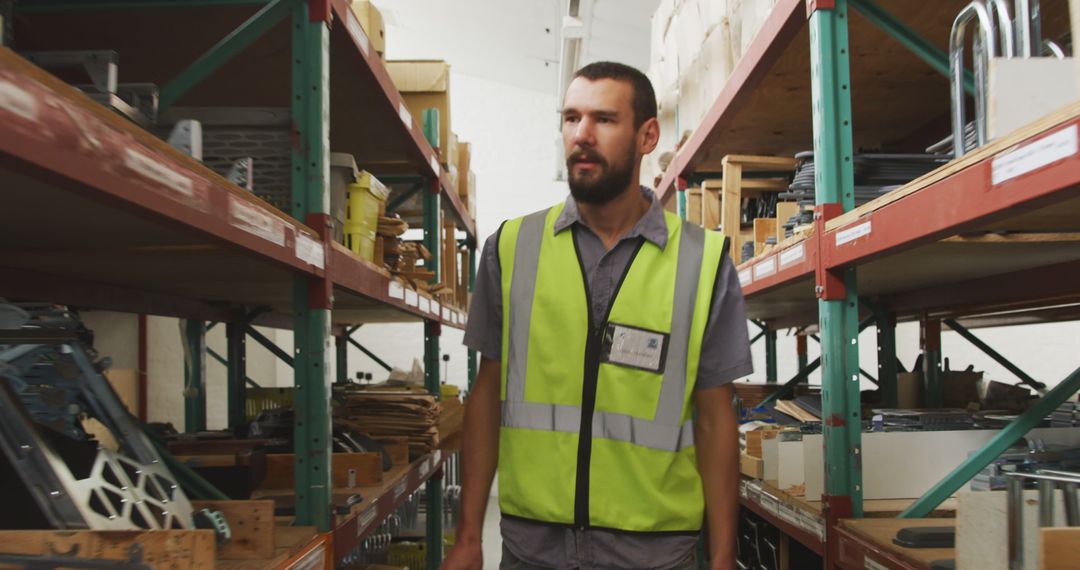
point(515, 41)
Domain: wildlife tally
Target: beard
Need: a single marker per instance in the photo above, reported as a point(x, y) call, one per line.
point(602, 184)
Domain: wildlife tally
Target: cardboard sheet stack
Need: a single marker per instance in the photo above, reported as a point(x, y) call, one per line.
point(405, 414)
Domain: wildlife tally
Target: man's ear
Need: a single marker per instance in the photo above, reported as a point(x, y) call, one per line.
point(648, 136)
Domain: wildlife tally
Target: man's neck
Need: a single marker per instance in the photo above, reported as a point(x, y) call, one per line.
point(611, 221)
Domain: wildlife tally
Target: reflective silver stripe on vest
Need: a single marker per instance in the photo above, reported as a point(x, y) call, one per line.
point(522, 287)
point(665, 432)
point(606, 425)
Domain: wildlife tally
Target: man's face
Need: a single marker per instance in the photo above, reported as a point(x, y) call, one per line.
point(599, 138)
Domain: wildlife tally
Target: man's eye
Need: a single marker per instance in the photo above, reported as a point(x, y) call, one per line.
point(570, 119)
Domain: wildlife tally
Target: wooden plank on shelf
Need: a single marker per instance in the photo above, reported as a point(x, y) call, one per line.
point(784, 212)
point(764, 228)
point(1059, 548)
point(1058, 237)
point(280, 470)
point(397, 447)
point(878, 551)
point(160, 549)
point(252, 527)
point(755, 163)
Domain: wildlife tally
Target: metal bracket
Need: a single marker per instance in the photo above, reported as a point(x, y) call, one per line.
point(829, 284)
point(814, 5)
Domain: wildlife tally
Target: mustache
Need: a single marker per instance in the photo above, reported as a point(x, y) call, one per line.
point(584, 155)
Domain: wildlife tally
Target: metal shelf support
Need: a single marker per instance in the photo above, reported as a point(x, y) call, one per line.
point(311, 296)
point(194, 375)
point(886, 354)
point(994, 448)
point(838, 311)
point(997, 356)
point(770, 356)
point(930, 341)
point(236, 364)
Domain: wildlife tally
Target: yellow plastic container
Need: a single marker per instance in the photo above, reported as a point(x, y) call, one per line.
point(363, 203)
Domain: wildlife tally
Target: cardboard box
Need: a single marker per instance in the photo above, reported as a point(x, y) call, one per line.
point(425, 84)
point(371, 21)
point(451, 153)
point(470, 196)
point(464, 160)
point(909, 390)
point(693, 205)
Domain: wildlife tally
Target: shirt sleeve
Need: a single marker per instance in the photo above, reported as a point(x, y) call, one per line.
point(725, 350)
point(483, 332)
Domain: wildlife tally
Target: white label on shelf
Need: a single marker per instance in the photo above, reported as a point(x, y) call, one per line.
point(256, 222)
point(435, 165)
point(786, 513)
point(770, 504)
point(436, 308)
point(400, 488)
point(425, 468)
point(1033, 156)
point(872, 564)
point(853, 233)
point(425, 304)
point(746, 277)
point(396, 291)
point(310, 251)
point(411, 298)
point(16, 100)
point(154, 171)
point(357, 32)
point(792, 254)
point(448, 315)
point(403, 113)
point(366, 518)
point(765, 268)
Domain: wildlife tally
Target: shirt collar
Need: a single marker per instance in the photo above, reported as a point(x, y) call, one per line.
point(652, 226)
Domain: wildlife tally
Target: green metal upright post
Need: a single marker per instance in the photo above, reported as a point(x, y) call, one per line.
point(311, 296)
point(800, 349)
point(236, 363)
point(933, 376)
point(432, 329)
point(830, 78)
point(195, 376)
point(770, 356)
point(886, 355)
point(681, 197)
point(341, 345)
point(474, 367)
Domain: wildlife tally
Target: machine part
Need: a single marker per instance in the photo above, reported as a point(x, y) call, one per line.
point(926, 537)
point(242, 173)
point(215, 521)
point(101, 67)
point(1003, 27)
point(71, 560)
point(1048, 481)
point(985, 45)
point(186, 136)
point(1052, 48)
point(48, 386)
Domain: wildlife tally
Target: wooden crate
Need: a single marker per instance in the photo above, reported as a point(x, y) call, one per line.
point(251, 524)
point(784, 212)
point(722, 198)
point(160, 549)
point(280, 470)
point(764, 228)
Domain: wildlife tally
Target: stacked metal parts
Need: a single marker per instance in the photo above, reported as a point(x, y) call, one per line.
point(51, 382)
point(1000, 31)
point(1066, 415)
point(875, 174)
point(1029, 456)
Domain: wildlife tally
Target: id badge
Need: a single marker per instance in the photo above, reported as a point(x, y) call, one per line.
point(634, 347)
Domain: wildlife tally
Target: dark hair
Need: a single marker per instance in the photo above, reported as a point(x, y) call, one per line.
point(644, 100)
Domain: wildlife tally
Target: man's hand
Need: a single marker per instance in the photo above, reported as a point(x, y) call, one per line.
point(467, 554)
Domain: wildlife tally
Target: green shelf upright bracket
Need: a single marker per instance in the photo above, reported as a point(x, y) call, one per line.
point(933, 375)
point(801, 350)
point(681, 197)
point(830, 77)
point(236, 364)
point(886, 354)
point(246, 34)
point(194, 375)
point(993, 449)
point(311, 296)
point(341, 347)
point(770, 356)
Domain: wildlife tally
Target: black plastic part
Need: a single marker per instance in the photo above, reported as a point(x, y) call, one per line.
point(926, 537)
point(943, 565)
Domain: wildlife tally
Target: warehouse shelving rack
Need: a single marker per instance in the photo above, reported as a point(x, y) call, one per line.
point(841, 72)
point(113, 218)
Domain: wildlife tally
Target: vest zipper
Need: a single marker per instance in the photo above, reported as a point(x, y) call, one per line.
point(593, 344)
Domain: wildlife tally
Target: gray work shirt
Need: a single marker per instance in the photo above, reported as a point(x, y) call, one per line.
point(725, 357)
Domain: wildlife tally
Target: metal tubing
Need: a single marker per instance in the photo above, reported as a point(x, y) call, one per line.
point(232, 44)
point(995, 447)
point(236, 354)
point(194, 375)
point(770, 356)
point(974, 11)
point(910, 39)
point(995, 355)
point(1072, 505)
point(1015, 509)
point(757, 337)
point(1004, 27)
point(1046, 503)
point(1024, 30)
point(269, 345)
point(370, 354)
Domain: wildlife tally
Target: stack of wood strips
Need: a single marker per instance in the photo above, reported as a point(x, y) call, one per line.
point(389, 414)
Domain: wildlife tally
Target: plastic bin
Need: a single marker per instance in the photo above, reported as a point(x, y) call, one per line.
point(364, 203)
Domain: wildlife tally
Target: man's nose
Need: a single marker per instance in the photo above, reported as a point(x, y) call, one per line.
point(583, 133)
